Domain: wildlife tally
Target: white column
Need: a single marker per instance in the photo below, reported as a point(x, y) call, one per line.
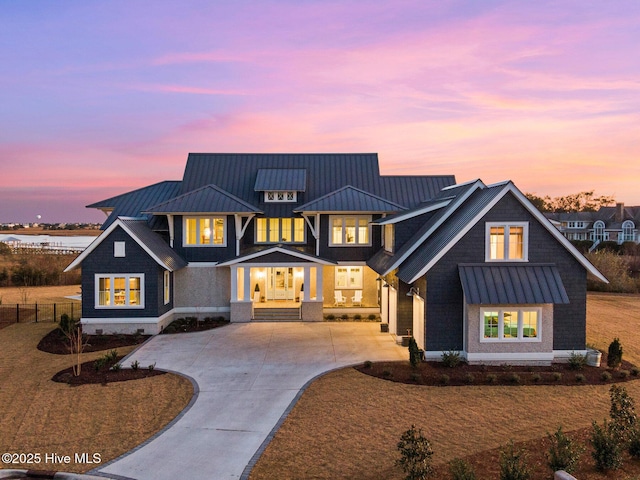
point(307, 284)
point(319, 284)
point(247, 284)
point(234, 283)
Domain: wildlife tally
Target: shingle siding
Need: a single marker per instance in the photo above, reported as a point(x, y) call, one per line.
point(102, 261)
point(205, 254)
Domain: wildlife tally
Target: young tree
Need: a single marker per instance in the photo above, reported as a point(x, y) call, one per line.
point(416, 453)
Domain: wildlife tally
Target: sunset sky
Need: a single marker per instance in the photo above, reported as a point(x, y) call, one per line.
point(101, 97)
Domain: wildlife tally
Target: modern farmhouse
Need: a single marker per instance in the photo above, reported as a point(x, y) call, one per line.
point(468, 267)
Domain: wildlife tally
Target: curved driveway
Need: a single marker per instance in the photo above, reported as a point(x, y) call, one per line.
point(248, 374)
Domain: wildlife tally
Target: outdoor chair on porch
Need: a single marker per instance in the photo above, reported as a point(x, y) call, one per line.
point(356, 300)
point(339, 299)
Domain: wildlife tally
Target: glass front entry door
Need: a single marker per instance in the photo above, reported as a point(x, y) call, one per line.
point(280, 283)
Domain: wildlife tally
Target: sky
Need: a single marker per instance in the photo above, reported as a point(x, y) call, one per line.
point(98, 98)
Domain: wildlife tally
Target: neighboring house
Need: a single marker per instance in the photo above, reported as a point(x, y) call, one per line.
point(609, 224)
point(469, 267)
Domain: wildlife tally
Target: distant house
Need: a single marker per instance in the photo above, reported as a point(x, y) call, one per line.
point(253, 237)
point(609, 224)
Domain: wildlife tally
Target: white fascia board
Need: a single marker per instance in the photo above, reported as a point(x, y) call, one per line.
point(268, 251)
point(456, 185)
point(401, 217)
point(456, 203)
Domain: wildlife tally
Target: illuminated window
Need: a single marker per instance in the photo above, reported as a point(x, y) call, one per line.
point(349, 230)
point(349, 277)
point(119, 291)
point(512, 324)
point(280, 230)
point(389, 237)
point(204, 231)
point(507, 242)
point(167, 287)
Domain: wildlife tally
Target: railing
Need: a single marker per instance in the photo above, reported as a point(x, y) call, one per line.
point(38, 312)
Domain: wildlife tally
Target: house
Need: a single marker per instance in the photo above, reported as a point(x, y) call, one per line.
point(467, 267)
point(609, 224)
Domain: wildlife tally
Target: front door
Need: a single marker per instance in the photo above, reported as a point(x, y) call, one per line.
point(280, 283)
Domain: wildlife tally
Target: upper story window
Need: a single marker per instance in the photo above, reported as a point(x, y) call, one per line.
point(598, 232)
point(574, 224)
point(507, 242)
point(389, 237)
point(280, 230)
point(280, 196)
point(628, 234)
point(205, 231)
point(119, 290)
point(349, 230)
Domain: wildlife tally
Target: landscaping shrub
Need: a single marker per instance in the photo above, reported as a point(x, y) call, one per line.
point(66, 323)
point(135, 365)
point(444, 379)
point(469, 378)
point(614, 356)
point(461, 470)
point(623, 413)
point(605, 376)
point(514, 378)
point(368, 364)
point(617, 269)
point(371, 316)
point(492, 378)
point(563, 453)
point(623, 374)
point(415, 355)
point(357, 316)
point(513, 465)
point(451, 359)
point(535, 378)
point(577, 361)
point(557, 376)
point(635, 371)
point(580, 378)
point(607, 451)
point(415, 455)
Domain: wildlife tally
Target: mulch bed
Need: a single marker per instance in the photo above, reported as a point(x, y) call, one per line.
point(55, 342)
point(192, 324)
point(105, 374)
point(436, 374)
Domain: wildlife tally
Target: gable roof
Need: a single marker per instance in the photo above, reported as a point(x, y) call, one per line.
point(132, 204)
point(281, 179)
point(150, 242)
point(288, 251)
point(440, 241)
point(207, 199)
point(349, 199)
point(516, 284)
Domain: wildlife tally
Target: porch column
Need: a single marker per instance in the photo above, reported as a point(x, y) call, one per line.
point(307, 281)
point(234, 283)
point(319, 284)
point(247, 284)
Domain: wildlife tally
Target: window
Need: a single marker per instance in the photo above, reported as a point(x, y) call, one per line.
point(280, 196)
point(574, 224)
point(350, 230)
point(120, 291)
point(280, 230)
point(628, 232)
point(599, 235)
point(507, 242)
point(118, 249)
point(204, 231)
point(349, 277)
point(510, 324)
point(167, 287)
point(389, 237)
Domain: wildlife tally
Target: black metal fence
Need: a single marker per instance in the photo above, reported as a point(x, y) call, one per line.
point(38, 312)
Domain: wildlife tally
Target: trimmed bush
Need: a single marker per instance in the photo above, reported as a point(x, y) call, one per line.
point(577, 361)
point(451, 359)
point(563, 453)
point(614, 357)
point(415, 355)
point(605, 376)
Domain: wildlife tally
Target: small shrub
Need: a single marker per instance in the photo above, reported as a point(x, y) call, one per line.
point(344, 316)
point(414, 353)
point(444, 379)
point(99, 363)
point(152, 366)
point(563, 453)
point(112, 355)
point(116, 367)
point(635, 371)
point(513, 465)
point(371, 316)
point(607, 452)
point(623, 374)
point(368, 364)
point(577, 361)
point(514, 378)
point(66, 323)
point(556, 376)
point(415, 377)
point(623, 413)
point(469, 378)
point(461, 470)
point(535, 378)
point(491, 378)
point(614, 357)
point(135, 365)
point(415, 455)
point(331, 316)
point(580, 378)
point(451, 359)
point(387, 373)
point(605, 376)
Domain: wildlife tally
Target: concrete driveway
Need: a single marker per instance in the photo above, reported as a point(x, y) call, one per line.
point(248, 375)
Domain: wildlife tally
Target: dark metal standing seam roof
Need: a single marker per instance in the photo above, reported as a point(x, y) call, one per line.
point(208, 199)
point(281, 179)
point(154, 243)
point(133, 203)
point(447, 232)
point(412, 190)
point(515, 284)
point(349, 199)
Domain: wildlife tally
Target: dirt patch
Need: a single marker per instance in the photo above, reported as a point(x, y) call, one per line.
point(436, 374)
point(103, 374)
point(57, 343)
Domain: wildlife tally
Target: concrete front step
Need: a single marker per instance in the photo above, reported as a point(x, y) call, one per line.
point(276, 315)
